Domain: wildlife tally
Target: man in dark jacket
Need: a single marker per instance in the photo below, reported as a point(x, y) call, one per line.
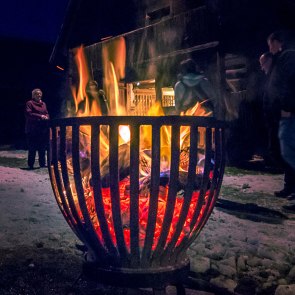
point(282, 88)
point(36, 131)
point(193, 87)
point(272, 115)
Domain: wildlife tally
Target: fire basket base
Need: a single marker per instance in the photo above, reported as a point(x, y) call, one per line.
point(138, 278)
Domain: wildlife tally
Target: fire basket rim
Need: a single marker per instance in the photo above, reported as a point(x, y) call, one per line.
point(200, 121)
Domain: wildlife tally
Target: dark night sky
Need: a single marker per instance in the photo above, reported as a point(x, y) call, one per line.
point(28, 30)
point(33, 20)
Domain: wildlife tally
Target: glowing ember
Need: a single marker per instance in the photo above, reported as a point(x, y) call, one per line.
point(143, 213)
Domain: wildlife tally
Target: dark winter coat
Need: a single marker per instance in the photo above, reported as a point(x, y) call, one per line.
point(271, 109)
point(281, 86)
point(33, 113)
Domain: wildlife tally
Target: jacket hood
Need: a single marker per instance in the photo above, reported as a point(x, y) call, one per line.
point(192, 80)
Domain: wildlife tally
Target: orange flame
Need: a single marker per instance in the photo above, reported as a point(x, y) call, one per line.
point(79, 94)
point(114, 59)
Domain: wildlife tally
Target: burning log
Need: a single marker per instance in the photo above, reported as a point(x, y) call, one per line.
point(181, 183)
point(124, 169)
point(124, 166)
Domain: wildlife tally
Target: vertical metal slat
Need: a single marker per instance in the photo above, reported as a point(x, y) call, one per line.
point(171, 199)
point(89, 231)
point(154, 192)
point(115, 192)
point(188, 188)
point(97, 194)
point(134, 196)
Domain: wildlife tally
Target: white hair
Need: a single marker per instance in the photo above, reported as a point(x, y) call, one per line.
point(36, 90)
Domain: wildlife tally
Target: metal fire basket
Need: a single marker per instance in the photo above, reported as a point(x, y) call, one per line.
point(116, 214)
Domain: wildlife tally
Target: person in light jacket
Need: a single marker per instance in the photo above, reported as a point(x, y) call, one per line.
point(192, 87)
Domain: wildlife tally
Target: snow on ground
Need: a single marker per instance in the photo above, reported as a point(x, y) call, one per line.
point(234, 253)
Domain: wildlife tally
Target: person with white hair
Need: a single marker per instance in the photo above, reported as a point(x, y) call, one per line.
point(36, 131)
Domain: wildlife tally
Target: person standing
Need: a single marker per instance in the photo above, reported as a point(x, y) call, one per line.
point(36, 130)
point(281, 88)
point(272, 114)
point(192, 87)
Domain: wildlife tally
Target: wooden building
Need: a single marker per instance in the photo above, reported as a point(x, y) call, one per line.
point(224, 37)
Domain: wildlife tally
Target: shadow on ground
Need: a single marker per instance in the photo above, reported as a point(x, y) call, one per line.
point(251, 212)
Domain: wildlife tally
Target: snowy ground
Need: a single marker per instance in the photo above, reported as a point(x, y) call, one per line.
point(247, 247)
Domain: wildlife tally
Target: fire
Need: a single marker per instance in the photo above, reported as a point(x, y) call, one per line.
point(124, 132)
point(143, 213)
point(87, 104)
point(79, 93)
point(114, 59)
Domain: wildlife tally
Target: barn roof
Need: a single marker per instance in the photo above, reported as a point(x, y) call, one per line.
point(242, 24)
